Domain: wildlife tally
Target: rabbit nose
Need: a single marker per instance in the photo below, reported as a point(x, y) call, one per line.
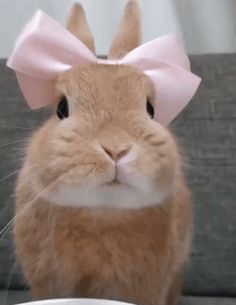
point(116, 153)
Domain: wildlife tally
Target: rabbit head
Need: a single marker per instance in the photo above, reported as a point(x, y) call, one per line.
point(101, 146)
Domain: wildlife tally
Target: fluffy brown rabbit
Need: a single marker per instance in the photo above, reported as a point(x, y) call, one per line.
point(103, 208)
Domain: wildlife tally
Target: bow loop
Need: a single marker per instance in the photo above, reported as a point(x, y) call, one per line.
point(47, 48)
point(166, 49)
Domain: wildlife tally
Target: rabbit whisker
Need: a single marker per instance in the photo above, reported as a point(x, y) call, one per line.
point(34, 200)
point(15, 127)
point(9, 175)
point(8, 283)
point(12, 143)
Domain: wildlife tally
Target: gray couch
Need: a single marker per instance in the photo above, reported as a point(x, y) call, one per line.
point(207, 132)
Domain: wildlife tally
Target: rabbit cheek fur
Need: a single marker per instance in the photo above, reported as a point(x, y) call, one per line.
point(100, 249)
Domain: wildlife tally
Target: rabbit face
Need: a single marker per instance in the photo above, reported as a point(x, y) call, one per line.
point(103, 149)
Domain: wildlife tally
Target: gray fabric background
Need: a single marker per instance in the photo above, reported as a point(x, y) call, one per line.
point(207, 132)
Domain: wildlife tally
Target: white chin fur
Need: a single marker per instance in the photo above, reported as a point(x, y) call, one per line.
point(105, 196)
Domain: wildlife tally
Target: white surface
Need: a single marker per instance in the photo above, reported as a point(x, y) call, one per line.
point(206, 25)
point(75, 302)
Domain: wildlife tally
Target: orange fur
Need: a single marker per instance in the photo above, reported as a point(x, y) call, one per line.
point(105, 251)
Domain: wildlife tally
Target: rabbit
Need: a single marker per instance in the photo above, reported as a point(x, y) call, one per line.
point(102, 206)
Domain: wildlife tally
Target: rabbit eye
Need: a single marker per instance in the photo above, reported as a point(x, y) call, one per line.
point(150, 109)
point(63, 108)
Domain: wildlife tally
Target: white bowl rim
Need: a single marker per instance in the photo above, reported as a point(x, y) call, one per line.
point(72, 301)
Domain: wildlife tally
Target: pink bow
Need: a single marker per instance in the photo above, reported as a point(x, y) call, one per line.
point(44, 49)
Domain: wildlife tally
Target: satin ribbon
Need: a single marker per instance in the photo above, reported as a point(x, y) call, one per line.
point(45, 49)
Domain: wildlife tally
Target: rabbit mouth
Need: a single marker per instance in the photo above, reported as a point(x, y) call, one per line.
point(119, 188)
point(111, 194)
point(116, 182)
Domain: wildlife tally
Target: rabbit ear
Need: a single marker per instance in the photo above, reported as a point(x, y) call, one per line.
point(77, 24)
point(129, 33)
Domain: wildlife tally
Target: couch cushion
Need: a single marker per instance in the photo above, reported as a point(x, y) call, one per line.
point(13, 297)
point(207, 132)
